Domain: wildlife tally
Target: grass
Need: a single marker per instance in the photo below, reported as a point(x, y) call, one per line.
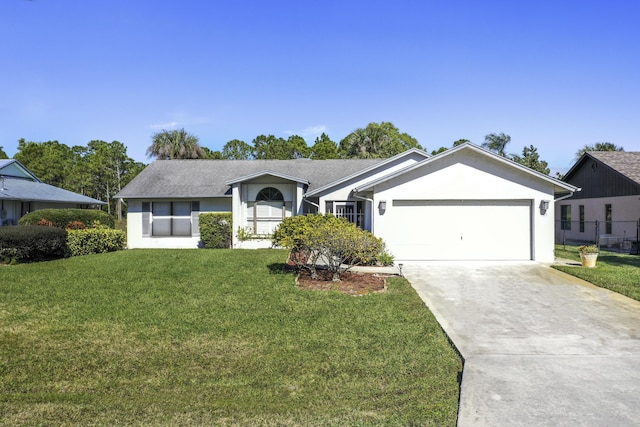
point(614, 271)
point(214, 337)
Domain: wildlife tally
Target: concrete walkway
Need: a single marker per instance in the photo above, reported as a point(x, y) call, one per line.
point(541, 348)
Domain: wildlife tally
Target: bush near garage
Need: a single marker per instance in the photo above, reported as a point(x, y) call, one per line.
point(61, 218)
point(216, 230)
point(328, 241)
point(32, 243)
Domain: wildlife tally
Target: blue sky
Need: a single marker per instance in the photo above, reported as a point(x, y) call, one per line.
point(554, 74)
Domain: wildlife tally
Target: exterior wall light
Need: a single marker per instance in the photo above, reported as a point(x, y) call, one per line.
point(382, 206)
point(544, 206)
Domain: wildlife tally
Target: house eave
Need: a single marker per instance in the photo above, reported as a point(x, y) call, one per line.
point(384, 162)
point(266, 173)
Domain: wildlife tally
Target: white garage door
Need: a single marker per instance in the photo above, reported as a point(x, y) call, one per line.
point(459, 230)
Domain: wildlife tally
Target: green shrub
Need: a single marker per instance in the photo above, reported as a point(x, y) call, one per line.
point(32, 243)
point(216, 229)
point(385, 257)
point(328, 241)
point(62, 217)
point(95, 241)
point(293, 231)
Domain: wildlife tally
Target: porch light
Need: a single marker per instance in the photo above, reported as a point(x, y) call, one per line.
point(544, 206)
point(382, 206)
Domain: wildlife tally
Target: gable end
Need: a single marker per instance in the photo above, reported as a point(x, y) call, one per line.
point(599, 180)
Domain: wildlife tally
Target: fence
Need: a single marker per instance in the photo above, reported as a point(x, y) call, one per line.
point(620, 236)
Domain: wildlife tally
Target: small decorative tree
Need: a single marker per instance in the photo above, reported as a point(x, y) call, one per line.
point(327, 241)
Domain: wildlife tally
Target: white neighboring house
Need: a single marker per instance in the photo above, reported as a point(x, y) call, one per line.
point(466, 203)
point(22, 192)
point(610, 195)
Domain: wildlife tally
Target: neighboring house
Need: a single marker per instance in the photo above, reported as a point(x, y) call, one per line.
point(610, 195)
point(22, 192)
point(463, 204)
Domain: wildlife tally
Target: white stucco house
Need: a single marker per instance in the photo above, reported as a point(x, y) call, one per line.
point(607, 209)
point(22, 192)
point(466, 203)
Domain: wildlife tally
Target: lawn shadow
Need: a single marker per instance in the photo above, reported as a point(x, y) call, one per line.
point(616, 259)
point(281, 268)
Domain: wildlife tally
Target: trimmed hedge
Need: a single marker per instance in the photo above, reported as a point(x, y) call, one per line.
point(61, 218)
point(216, 229)
point(32, 243)
point(95, 241)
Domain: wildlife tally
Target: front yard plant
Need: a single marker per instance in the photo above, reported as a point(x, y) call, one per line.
point(32, 243)
point(204, 337)
point(588, 249)
point(326, 240)
point(216, 229)
point(61, 218)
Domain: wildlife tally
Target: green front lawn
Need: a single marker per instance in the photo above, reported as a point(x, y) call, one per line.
point(213, 337)
point(615, 271)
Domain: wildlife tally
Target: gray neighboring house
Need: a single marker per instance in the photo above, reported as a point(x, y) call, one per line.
point(610, 182)
point(22, 192)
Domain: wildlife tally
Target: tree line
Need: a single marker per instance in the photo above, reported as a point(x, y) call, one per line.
point(376, 140)
point(99, 170)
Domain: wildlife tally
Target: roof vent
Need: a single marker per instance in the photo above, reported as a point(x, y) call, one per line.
point(2, 183)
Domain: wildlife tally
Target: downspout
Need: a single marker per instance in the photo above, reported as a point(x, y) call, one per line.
point(566, 196)
point(355, 195)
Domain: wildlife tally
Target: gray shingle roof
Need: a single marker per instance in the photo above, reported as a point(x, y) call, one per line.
point(34, 191)
point(625, 162)
point(207, 178)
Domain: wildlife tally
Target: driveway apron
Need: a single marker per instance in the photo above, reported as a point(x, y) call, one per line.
point(541, 348)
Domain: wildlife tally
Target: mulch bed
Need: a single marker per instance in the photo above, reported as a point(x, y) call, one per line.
point(351, 283)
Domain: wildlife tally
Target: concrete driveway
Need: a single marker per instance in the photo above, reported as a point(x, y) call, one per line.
point(541, 348)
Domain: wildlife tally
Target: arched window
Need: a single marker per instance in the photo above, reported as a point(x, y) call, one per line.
point(269, 194)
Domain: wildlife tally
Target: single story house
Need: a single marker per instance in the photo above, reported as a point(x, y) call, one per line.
point(610, 198)
point(22, 192)
point(466, 203)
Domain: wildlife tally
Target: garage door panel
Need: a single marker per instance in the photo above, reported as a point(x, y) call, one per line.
point(461, 230)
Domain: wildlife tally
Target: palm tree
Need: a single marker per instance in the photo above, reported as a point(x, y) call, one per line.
point(497, 143)
point(598, 146)
point(175, 144)
point(367, 143)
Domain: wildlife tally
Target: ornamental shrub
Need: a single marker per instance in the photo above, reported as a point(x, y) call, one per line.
point(293, 231)
point(324, 240)
point(95, 241)
point(32, 243)
point(216, 230)
point(61, 217)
